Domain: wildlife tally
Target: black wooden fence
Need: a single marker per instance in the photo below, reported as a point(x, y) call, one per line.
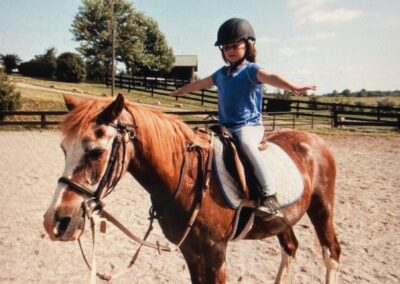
point(272, 120)
point(336, 115)
point(277, 112)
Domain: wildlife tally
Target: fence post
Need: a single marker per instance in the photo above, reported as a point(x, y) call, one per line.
point(312, 120)
point(42, 120)
point(334, 117)
point(398, 122)
point(294, 121)
point(297, 108)
point(273, 121)
point(379, 113)
point(129, 84)
point(202, 97)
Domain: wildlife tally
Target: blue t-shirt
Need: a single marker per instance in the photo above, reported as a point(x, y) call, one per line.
point(239, 96)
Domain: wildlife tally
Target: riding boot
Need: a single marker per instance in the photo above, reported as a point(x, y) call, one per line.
point(270, 205)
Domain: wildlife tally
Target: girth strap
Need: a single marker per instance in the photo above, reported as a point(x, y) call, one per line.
point(205, 178)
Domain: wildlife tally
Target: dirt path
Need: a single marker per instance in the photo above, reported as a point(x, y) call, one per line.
point(367, 222)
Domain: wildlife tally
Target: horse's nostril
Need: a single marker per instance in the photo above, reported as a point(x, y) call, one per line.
point(61, 225)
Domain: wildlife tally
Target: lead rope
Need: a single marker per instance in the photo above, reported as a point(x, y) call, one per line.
point(142, 242)
point(92, 268)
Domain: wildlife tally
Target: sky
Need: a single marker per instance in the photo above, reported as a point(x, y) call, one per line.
point(333, 44)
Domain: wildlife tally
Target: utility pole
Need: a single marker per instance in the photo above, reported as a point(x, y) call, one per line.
point(113, 32)
point(113, 26)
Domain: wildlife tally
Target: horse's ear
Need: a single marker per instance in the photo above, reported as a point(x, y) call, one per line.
point(70, 102)
point(112, 111)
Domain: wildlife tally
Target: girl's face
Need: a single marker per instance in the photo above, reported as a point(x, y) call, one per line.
point(234, 51)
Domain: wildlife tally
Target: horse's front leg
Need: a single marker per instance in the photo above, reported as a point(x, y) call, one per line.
point(289, 244)
point(206, 262)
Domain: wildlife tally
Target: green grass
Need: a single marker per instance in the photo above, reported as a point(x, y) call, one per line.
point(51, 99)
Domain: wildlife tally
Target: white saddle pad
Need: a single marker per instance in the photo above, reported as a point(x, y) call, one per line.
point(287, 178)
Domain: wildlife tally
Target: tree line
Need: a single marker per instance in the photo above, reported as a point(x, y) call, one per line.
point(363, 93)
point(101, 27)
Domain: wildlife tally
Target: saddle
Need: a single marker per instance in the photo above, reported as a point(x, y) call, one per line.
point(241, 180)
point(237, 164)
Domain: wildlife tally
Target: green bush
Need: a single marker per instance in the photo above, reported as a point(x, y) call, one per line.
point(9, 98)
point(70, 68)
point(43, 65)
point(10, 62)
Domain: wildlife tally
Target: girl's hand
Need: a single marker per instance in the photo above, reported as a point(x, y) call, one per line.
point(303, 90)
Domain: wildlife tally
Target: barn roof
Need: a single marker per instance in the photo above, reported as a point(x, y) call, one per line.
point(186, 61)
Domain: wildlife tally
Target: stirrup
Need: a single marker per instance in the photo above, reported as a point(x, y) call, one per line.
point(269, 204)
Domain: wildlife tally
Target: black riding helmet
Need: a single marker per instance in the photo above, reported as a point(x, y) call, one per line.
point(234, 30)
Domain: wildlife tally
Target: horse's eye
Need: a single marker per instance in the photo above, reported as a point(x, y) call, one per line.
point(95, 154)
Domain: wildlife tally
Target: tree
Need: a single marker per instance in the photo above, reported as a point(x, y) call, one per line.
point(9, 98)
point(139, 43)
point(157, 56)
point(362, 93)
point(346, 93)
point(10, 62)
point(70, 68)
point(43, 65)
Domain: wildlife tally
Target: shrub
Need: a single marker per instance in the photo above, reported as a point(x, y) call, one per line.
point(10, 62)
point(41, 66)
point(70, 68)
point(9, 98)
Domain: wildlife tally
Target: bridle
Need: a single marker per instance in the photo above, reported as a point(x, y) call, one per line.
point(93, 203)
point(112, 174)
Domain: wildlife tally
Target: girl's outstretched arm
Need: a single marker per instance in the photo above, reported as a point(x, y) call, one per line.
point(278, 82)
point(205, 83)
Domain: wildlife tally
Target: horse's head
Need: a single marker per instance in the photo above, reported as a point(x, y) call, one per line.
point(95, 144)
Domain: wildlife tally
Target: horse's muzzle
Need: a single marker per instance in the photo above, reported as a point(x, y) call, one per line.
point(64, 227)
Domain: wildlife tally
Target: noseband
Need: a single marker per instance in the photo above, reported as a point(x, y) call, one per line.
point(107, 183)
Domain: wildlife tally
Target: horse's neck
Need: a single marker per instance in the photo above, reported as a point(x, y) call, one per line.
point(157, 161)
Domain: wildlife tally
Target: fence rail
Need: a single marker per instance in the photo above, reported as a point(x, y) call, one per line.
point(44, 119)
point(203, 118)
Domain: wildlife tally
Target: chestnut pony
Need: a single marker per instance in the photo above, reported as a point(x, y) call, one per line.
point(155, 147)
